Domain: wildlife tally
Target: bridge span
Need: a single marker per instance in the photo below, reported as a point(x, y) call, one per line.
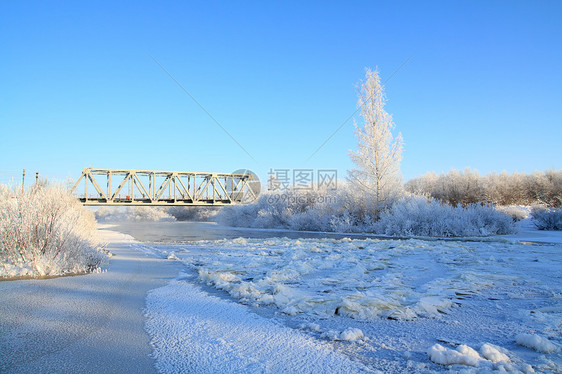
point(165, 188)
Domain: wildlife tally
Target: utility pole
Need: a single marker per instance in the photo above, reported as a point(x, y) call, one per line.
point(36, 178)
point(23, 182)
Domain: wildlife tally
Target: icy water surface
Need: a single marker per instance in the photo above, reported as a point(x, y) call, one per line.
point(183, 231)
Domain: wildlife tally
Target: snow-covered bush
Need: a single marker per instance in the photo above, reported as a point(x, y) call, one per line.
point(547, 218)
point(342, 211)
point(45, 231)
point(331, 210)
point(418, 216)
point(194, 213)
point(132, 213)
point(267, 212)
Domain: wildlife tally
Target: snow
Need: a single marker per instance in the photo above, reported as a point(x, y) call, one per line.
point(83, 324)
point(172, 256)
point(342, 211)
point(490, 358)
point(46, 232)
point(198, 333)
point(362, 279)
point(527, 231)
point(321, 305)
point(536, 342)
point(493, 353)
point(351, 334)
point(463, 355)
point(392, 305)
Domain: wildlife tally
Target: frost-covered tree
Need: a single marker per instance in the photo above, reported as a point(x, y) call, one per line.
point(378, 155)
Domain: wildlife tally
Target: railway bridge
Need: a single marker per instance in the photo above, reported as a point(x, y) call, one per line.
point(164, 188)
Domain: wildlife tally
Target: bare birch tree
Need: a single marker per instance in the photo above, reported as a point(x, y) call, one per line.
point(378, 155)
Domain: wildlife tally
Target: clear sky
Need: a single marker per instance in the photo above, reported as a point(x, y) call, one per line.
point(469, 83)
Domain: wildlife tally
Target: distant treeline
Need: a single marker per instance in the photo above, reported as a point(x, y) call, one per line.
point(468, 187)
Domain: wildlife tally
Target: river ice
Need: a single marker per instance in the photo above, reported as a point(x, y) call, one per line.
point(374, 305)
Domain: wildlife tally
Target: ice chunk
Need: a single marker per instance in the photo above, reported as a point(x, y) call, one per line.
point(493, 353)
point(434, 304)
point(463, 355)
point(536, 342)
point(242, 241)
point(221, 280)
point(172, 256)
point(403, 314)
point(310, 326)
point(351, 334)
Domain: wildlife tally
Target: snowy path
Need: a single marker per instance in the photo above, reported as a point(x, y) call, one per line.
point(83, 324)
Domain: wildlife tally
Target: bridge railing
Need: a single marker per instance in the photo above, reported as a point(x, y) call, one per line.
point(164, 188)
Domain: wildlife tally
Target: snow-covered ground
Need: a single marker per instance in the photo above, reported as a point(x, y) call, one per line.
point(359, 305)
point(91, 323)
point(308, 305)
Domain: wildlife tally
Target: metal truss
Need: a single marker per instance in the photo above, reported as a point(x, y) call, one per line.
point(163, 188)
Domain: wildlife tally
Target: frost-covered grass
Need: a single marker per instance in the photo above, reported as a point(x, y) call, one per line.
point(132, 214)
point(45, 231)
point(547, 218)
point(342, 211)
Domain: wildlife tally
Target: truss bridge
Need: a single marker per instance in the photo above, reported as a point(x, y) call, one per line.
point(120, 187)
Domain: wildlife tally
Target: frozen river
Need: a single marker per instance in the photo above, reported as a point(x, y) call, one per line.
point(404, 305)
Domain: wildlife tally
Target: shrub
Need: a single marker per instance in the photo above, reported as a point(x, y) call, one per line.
point(419, 216)
point(332, 210)
point(342, 211)
point(46, 231)
point(264, 213)
point(547, 218)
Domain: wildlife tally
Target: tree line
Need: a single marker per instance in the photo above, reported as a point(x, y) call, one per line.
point(468, 187)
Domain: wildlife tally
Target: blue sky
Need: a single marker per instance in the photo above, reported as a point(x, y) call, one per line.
point(472, 84)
